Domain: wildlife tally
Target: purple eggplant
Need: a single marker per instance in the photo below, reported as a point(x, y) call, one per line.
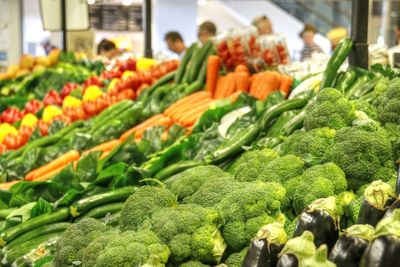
point(351, 246)
point(378, 196)
point(384, 249)
point(265, 247)
point(297, 250)
point(322, 219)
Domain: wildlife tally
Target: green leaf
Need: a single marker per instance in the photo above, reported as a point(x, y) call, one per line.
point(41, 207)
point(87, 166)
point(24, 212)
point(106, 175)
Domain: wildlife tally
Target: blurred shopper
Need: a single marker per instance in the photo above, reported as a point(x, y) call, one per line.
point(107, 49)
point(47, 46)
point(310, 46)
point(206, 31)
point(263, 25)
point(175, 43)
point(335, 35)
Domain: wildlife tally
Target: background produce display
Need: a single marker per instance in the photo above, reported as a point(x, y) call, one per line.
point(205, 167)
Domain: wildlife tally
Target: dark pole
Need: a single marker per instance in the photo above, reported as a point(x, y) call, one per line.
point(64, 24)
point(359, 33)
point(148, 51)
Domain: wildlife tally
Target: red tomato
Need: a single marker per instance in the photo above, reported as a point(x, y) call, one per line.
point(32, 106)
point(25, 132)
point(68, 88)
point(11, 115)
point(43, 128)
point(89, 108)
point(52, 98)
point(126, 94)
point(13, 141)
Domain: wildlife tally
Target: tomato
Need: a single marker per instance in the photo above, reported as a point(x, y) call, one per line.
point(3, 148)
point(68, 88)
point(75, 113)
point(111, 74)
point(13, 141)
point(32, 106)
point(93, 80)
point(89, 108)
point(11, 115)
point(25, 132)
point(126, 94)
point(43, 128)
point(52, 98)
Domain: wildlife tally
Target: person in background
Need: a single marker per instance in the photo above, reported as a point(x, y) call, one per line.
point(310, 46)
point(175, 43)
point(335, 35)
point(47, 46)
point(206, 31)
point(107, 49)
point(263, 25)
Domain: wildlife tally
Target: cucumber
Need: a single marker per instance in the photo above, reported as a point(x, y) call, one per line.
point(43, 219)
point(356, 86)
point(176, 168)
point(184, 62)
point(276, 110)
point(185, 78)
point(14, 253)
point(41, 230)
point(102, 211)
point(294, 124)
point(88, 203)
point(198, 61)
point(111, 111)
point(193, 87)
point(163, 80)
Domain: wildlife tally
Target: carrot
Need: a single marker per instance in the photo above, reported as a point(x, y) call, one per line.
point(7, 185)
point(233, 97)
point(194, 110)
point(68, 157)
point(47, 176)
point(219, 90)
point(241, 68)
point(242, 81)
point(230, 85)
point(213, 65)
point(164, 121)
point(144, 124)
point(255, 84)
point(286, 83)
point(191, 98)
point(270, 82)
point(181, 113)
point(192, 117)
point(105, 154)
point(104, 146)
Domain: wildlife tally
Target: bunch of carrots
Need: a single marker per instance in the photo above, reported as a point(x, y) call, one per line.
point(259, 85)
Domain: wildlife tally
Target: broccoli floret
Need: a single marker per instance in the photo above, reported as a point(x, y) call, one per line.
point(329, 171)
point(75, 238)
point(90, 253)
point(236, 259)
point(282, 169)
point(363, 153)
point(251, 163)
point(330, 109)
point(141, 204)
point(393, 133)
point(381, 87)
point(213, 191)
point(193, 264)
point(388, 103)
point(367, 108)
point(188, 182)
point(247, 209)
point(191, 232)
point(311, 146)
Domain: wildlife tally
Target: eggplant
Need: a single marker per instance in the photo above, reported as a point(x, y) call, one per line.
point(265, 247)
point(395, 205)
point(322, 219)
point(384, 249)
point(351, 246)
point(378, 196)
point(297, 250)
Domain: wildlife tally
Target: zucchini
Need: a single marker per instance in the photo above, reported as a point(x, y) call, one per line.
point(163, 80)
point(193, 87)
point(43, 219)
point(41, 230)
point(102, 211)
point(185, 78)
point(346, 81)
point(203, 71)
point(185, 60)
point(176, 168)
point(198, 61)
point(357, 86)
point(88, 203)
point(294, 124)
point(278, 109)
point(14, 253)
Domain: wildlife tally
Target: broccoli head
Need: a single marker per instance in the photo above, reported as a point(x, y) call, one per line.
point(311, 146)
point(188, 182)
point(76, 238)
point(190, 231)
point(364, 153)
point(236, 259)
point(141, 204)
point(367, 108)
point(282, 169)
point(213, 191)
point(133, 249)
point(193, 264)
point(251, 163)
point(393, 133)
point(329, 109)
point(329, 171)
point(388, 103)
point(245, 210)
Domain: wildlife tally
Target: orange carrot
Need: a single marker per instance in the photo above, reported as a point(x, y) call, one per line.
point(192, 117)
point(7, 185)
point(255, 83)
point(219, 90)
point(105, 154)
point(213, 65)
point(178, 116)
point(241, 68)
point(242, 81)
point(286, 83)
point(230, 85)
point(194, 110)
point(233, 97)
point(164, 121)
point(191, 98)
point(47, 176)
point(68, 157)
point(109, 145)
point(144, 124)
point(270, 83)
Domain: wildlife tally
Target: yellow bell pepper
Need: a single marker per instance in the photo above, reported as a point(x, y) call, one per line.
point(127, 74)
point(144, 63)
point(6, 129)
point(50, 112)
point(112, 84)
point(71, 102)
point(92, 92)
point(29, 120)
